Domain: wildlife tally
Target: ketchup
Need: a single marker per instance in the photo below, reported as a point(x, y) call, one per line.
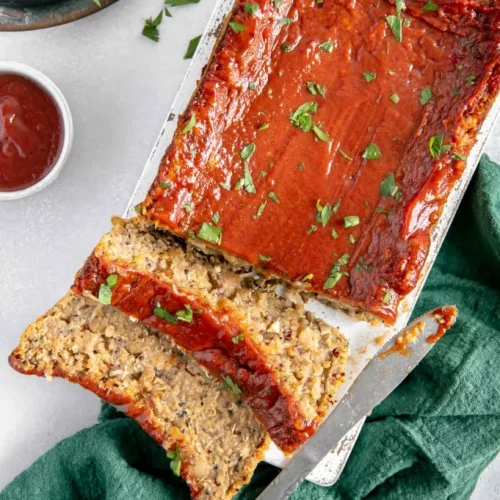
point(30, 133)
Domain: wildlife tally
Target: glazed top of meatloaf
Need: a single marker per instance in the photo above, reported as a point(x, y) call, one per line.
point(325, 137)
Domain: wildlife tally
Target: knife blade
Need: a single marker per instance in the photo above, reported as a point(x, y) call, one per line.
point(397, 358)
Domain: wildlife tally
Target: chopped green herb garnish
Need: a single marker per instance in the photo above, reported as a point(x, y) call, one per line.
point(324, 213)
point(229, 382)
point(395, 98)
point(247, 181)
point(326, 46)
point(307, 277)
point(286, 48)
point(400, 6)
point(276, 3)
point(190, 124)
point(165, 185)
point(372, 152)
point(191, 234)
point(396, 25)
point(260, 210)
point(335, 235)
point(302, 166)
point(316, 88)
point(312, 229)
point(192, 46)
point(454, 91)
point(262, 174)
point(97, 2)
point(112, 280)
point(387, 297)
point(302, 118)
point(430, 6)
point(345, 155)
point(251, 85)
point(175, 464)
point(188, 207)
point(138, 208)
point(225, 185)
point(437, 147)
point(185, 314)
point(210, 233)
point(286, 20)
point(273, 197)
point(161, 313)
point(458, 156)
point(238, 338)
point(150, 29)
point(471, 79)
point(381, 210)
point(369, 77)
point(335, 274)
point(425, 96)
point(237, 27)
point(352, 239)
point(388, 186)
point(264, 126)
point(336, 206)
point(216, 217)
point(251, 8)
point(105, 294)
point(351, 220)
point(247, 151)
point(264, 258)
point(322, 136)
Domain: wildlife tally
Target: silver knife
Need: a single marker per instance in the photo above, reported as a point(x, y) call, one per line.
point(380, 377)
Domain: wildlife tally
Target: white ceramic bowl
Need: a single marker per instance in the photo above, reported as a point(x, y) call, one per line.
point(67, 126)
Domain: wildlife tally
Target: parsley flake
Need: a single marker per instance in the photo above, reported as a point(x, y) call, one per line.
point(165, 185)
point(324, 213)
point(260, 210)
point(273, 197)
point(192, 46)
point(210, 233)
point(150, 29)
point(175, 457)
point(396, 25)
point(326, 46)
point(425, 96)
point(190, 124)
point(161, 313)
point(430, 6)
point(372, 152)
point(237, 27)
point(286, 20)
point(247, 151)
point(247, 181)
point(394, 98)
point(238, 338)
point(264, 258)
point(369, 77)
point(229, 382)
point(251, 8)
point(436, 146)
point(335, 274)
point(351, 220)
point(264, 126)
point(345, 155)
point(388, 186)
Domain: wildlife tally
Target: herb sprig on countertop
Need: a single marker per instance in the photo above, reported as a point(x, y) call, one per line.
point(151, 31)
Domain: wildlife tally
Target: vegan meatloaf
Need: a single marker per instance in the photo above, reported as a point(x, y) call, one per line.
point(325, 137)
point(285, 363)
point(214, 440)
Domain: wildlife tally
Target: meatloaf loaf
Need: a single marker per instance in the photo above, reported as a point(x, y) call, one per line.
point(214, 440)
point(327, 136)
point(285, 363)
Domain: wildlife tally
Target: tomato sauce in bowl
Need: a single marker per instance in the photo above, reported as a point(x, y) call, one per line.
point(31, 132)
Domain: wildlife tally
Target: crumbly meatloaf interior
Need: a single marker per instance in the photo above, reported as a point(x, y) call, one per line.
point(218, 438)
point(306, 356)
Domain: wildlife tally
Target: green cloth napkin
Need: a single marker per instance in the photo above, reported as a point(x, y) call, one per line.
point(430, 439)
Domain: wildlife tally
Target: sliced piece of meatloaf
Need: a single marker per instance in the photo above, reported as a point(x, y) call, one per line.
point(286, 364)
point(214, 439)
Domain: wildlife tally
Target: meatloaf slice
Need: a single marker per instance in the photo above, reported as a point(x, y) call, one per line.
point(286, 364)
point(216, 442)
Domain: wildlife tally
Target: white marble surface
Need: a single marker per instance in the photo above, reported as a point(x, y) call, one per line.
point(119, 86)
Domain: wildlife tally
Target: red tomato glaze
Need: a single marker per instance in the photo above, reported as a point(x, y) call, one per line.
point(30, 133)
